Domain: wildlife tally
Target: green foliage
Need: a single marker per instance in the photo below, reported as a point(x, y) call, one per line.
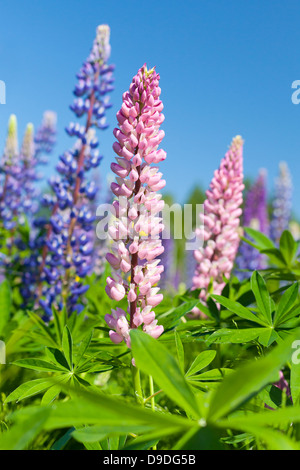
point(207, 383)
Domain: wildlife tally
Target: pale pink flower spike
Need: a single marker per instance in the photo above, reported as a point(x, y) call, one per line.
point(137, 225)
point(219, 223)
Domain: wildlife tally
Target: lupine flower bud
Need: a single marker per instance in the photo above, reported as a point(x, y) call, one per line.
point(10, 174)
point(219, 223)
point(28, 171)
point(136, 227)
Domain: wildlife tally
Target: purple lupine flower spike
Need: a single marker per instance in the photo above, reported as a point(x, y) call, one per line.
point(10, 194)
point(167, 260)
point(67, 253)
point(45, 137)
point(256, 217)
point(39, 149)
point(256, 204)
point(282, 203)
point(191, 265)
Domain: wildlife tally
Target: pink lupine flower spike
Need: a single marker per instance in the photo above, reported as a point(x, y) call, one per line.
point(220, 222)
point(136, 227)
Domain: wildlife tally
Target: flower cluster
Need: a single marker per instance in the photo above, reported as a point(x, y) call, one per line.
point(220, 222)
point(282, 203)
point(255, 216)
point(66, 257)
point(136, 226)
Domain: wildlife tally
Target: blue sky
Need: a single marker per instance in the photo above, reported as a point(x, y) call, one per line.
point(226, 68)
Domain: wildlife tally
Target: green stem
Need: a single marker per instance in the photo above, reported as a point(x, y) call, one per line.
point(137, 385)
point(151, 386)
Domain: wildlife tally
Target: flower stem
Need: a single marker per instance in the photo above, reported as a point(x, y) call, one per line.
point(151, 386)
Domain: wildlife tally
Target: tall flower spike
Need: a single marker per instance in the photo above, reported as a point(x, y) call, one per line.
point(220, 222)
point(45, 137)
point(282, 203)
point(136, 228)
point(35, 154)
point(67, 252)
point(256, 217)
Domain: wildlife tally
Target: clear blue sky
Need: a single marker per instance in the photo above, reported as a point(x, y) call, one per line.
point(226, 68)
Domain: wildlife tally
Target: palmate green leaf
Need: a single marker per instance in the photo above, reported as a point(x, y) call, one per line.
point(39, 365)
point(28, 389)
point(172, 317)
point(268, 336)
point(258, 425)
point(98, 433)
point(239, 309)
point(201, 361)
point(43, 329)
point(210, 375)
point(274, 440)
point(83, 348)
point(155, 360)
point(57, 325)
point(295, 373)
point(60, 444)
point(292, 313)
point(23, 433)
point(138, 444)
point(280, 417)
point(227, 335)
point(67, 345)
point(93, 446)
point(57, 357)
point(92, 368)
point(288, 246)
point(275, 256)
point(17, 336)
point(262, 241)
point(248, 380)
point(116, 416)
point(5, 304)
point(286, 302)
point(262, 296)
point(205, 438)
point(51, 394)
